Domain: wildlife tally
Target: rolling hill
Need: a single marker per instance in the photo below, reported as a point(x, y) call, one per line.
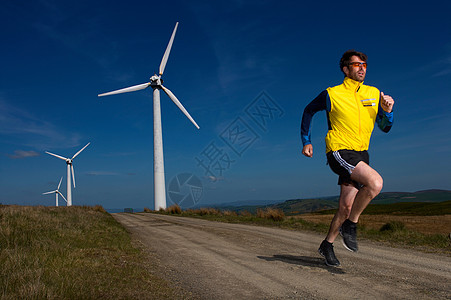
point(300, 206)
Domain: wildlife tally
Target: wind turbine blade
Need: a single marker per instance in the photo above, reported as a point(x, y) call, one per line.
point(60, 183)
point(177, 102)
point(73, 175)
point(75, 155)
point(126, 90)
point(168, 50)
point(62, 196)
point(48, 193)
point(60, 157)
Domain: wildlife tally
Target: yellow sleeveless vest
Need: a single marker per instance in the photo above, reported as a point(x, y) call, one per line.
point(352, 115)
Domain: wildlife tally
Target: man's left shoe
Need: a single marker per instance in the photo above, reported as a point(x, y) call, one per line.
point(326, 249)
point(349, 233)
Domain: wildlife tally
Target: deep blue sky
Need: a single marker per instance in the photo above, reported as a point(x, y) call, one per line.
point(56, 56)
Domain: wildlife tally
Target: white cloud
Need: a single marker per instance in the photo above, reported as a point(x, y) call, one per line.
point(81, 36)
point(18, 126)
point(214, 178)
point(108, 173)
point(445, 65)
point(237, 46)
point(18, 154)
point(102, 173)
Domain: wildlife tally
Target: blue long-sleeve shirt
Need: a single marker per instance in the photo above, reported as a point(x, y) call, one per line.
point(384, 120)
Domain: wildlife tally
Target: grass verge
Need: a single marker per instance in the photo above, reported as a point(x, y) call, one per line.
point(72, 253)
point(392, 233)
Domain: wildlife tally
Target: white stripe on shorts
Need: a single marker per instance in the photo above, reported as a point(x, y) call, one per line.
point(343, 162)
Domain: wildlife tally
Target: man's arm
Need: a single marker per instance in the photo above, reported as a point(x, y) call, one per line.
point(318, 104)
point(384, 118)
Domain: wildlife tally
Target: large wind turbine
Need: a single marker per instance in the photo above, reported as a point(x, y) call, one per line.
point(70, 168)
point(56, 192)
point(156, 84)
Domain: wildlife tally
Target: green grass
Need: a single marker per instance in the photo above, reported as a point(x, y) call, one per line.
point(72, 253)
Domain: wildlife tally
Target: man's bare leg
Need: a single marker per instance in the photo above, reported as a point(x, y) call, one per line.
point(347, 195)
point(372, 185)
point(326, 249)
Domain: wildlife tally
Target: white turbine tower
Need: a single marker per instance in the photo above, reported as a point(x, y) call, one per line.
point(56, 192)
point(70, 168)
point(156, 84)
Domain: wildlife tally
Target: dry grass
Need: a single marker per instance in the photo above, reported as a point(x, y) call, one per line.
point(174, 210)
point(268, 213)
point(245, 213)
point(98, 208)
point(429, 233)
point(72, 253)
point(422, 224)
point(271, 214)
point(204, 212)
point(229, 213)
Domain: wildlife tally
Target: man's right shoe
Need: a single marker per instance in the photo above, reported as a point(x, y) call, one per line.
point(348, 231)
point(326, 249)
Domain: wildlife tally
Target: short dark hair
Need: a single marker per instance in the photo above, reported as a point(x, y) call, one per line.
point(346, 57)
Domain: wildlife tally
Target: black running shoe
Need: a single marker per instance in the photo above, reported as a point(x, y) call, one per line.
point(326, 249)
point(349, 233)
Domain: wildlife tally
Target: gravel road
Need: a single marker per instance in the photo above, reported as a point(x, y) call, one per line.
point(214, 260)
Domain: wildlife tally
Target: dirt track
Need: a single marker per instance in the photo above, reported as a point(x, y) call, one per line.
point(215, 260)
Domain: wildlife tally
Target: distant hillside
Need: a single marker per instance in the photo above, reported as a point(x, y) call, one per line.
point(289, 207)
point(241, 203)
point(300, 206)
point(411, 208)
point(420, 196)
point(295, 207)
point(404, 209)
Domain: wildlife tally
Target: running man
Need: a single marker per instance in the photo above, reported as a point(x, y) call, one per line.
point(352, 109)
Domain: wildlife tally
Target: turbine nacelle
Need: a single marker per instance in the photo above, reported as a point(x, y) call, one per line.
point(156, 80)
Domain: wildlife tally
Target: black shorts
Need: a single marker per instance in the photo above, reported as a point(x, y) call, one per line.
point(343, 162)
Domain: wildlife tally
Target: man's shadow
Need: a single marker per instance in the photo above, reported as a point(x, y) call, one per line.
point(313, 262)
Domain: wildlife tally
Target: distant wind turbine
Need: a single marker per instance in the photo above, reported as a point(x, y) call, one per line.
point(156, 84)
point(56, 192)
point(70, 168)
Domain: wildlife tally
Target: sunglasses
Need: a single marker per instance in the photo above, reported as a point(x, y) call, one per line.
point(358, 64)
